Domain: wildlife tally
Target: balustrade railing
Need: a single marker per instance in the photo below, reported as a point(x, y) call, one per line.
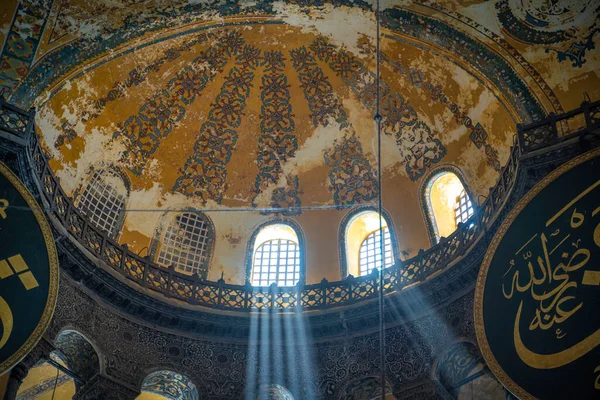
point(15, 124)
point(557, 128)
point(325, 294)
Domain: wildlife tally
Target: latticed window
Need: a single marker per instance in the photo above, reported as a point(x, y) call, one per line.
point(186, 244)
point(276, 261)
point(463, 209)
point(102, 202)
point(370, 252)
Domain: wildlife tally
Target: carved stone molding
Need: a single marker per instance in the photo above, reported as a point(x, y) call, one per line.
point(101, 387)
point(219, 369)
point(424, 390)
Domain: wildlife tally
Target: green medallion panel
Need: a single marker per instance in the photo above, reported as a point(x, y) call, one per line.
point(28, 271)
point(537, 308)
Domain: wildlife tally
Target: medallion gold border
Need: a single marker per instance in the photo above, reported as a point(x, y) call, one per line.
point(44, 322)
point(489, 256)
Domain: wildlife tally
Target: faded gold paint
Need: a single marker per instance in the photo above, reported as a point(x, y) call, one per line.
point(461, 83)
point(44, 373)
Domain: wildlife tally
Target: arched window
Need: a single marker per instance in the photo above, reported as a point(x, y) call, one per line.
point(276, 256)
point(187, 243)
point(446, 202)
point(361, 239)
point(168, 385)
point(103, 201)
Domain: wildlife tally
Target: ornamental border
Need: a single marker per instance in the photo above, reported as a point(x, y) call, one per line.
point(490, 360)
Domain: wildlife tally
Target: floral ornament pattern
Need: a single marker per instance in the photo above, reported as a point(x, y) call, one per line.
point(186, 85)
point(398, 116)
point(286, 198)
point(22, 41)
point(67, 135)
point(138, 75)
point(204, 174)
point(351, 175)
point(478, 134)
point(571, 43)
point(158, 116)
point(322, 101)
point(277, 142)
point(476, 54)
point(419, 148)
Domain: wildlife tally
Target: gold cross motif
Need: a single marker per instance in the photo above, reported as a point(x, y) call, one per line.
point(19, 267)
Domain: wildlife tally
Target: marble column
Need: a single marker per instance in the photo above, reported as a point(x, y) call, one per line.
point(40, 352)
point(102, 387)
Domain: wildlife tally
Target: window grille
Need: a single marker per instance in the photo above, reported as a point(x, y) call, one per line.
point(278, 261)
point(463, 209)
point(370, 252)
point(186, 243)
point(102, 203)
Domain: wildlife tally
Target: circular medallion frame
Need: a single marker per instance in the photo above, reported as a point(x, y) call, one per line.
point(482, 338)
point(53, 273)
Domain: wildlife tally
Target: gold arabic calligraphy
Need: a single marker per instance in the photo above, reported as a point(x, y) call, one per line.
point(552, 287)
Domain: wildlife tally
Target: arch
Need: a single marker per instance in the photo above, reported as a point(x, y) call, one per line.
point(45, 380)
point(79, 354)
point(367, 388)
point(274, 392)
point(103, 199)
point(462, 371)
point(284, 231)
point(355, 227)
point(439, 191)
point(186, 241)
point(169, 385)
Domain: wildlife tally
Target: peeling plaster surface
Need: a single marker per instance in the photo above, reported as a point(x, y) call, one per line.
point(269, 108)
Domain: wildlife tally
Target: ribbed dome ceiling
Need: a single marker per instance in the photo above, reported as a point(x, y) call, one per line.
point(265, 115)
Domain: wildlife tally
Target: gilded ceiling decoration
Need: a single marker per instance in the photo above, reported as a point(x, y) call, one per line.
point(231, 63)
point(567, 27)
point(205, 121)
point(269, 106)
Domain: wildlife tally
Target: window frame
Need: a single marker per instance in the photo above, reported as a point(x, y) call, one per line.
point(458, 205)
point(374, 234)
point(425, 202)
point(119, 219)
point(343, 228)
point(162, 229)
point(301, 248)
point(279, 266)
